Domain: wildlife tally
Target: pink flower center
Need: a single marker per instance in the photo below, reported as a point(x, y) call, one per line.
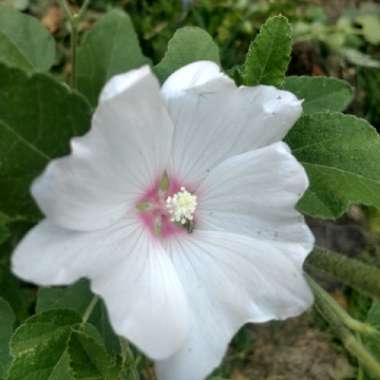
point(157, 211)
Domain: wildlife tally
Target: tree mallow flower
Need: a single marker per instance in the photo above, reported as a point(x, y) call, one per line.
point(179, 206)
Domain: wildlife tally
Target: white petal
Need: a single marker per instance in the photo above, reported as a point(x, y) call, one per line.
point(144, 298)
point(230, 279)
point(51, 255)
point(125, 151)
point(255, 194)
point(215, 120)
point(193, 75)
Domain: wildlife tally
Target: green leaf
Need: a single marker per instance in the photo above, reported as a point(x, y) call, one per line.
point(370, 24)
point(24, 42)
point(320, 93)
point(7, 320)
point(89, 359)
point(188, 44)
point(269, 54)
point(55, 345)
point(4, 231)
point(110, 47)
point(20, 298)
point(40, 347)
point(356, 57)
point(77, 297)
point(341, 154)
point(38, 116)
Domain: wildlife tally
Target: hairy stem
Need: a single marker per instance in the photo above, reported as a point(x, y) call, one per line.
point(353, 324)
point(352, 272)
point(336, 322)
point(74, 20)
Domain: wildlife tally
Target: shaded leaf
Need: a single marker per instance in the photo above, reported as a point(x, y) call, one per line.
point(38, 116)
point(89, 360)
point(56, 345)
point(24, 42)
point(40, 347)
point(320, 93)
point(110, 47)
point(188, 44)
point(356, 57)
point(7, 320)
point(77, 297)
point(341, 154)
point(269, 54)
point(18, 297)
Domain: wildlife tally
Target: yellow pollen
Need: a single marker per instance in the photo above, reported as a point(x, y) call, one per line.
point(181, 206)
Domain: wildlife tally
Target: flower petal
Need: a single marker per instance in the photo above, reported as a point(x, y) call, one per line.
point(231, 279)
point(135, 277)
point(255, 194)
point(125, 151)
point(215, 120)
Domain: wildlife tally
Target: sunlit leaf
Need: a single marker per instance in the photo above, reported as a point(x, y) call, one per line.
point(341, 154)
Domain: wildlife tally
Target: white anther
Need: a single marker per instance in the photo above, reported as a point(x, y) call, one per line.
point(181, 206)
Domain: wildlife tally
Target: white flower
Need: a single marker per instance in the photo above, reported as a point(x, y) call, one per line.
point(179, 206)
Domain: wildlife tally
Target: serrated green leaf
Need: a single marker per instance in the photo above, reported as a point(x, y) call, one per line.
point(320, 93)
point(110, 47)
point(40, 345)
point(188, 44)
point(341, 154)
point(89, 360)
point(269, 54)
point(38, 116)
point(24, 41)
point(7, 320)
point(56, 345)
point(77, 297)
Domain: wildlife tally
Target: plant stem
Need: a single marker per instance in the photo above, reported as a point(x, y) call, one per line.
point(351, 323)
point(353, 345)
point(90, 308)
point(352, 272)
point(73, 47)
point(128, 360)
point(74, 20)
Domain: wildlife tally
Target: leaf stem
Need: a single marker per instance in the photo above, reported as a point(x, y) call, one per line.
point(339, 325)
point(352, 272)
point(90, 308)
point(128, 360)
point(74, 20)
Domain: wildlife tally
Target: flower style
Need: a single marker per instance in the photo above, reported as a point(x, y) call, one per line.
point(179, 206)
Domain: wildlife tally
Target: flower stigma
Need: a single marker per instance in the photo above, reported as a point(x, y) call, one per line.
point(181, 206)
